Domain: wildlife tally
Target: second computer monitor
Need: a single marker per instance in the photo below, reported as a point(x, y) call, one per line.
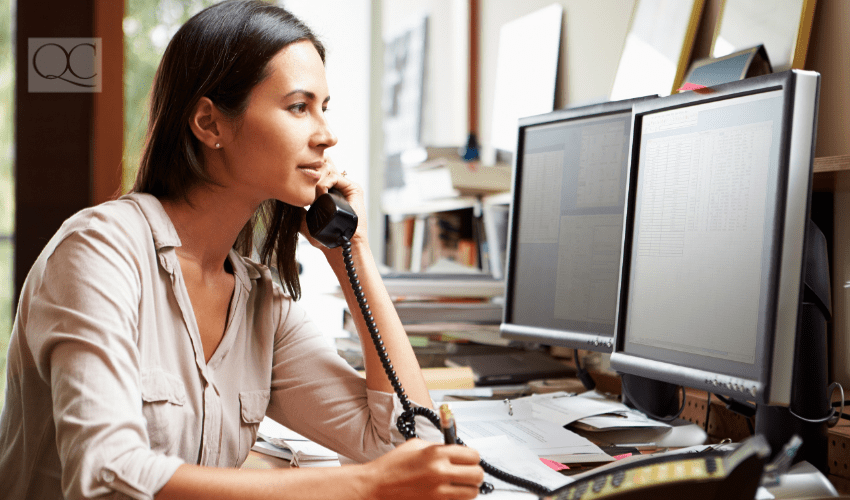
point(566, 226)
point(716, 238)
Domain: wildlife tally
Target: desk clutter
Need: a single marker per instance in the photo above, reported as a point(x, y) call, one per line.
point(554, 440)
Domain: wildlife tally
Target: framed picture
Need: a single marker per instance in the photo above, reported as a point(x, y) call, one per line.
point(782, 26)
point(658, 48)
point(404, 86)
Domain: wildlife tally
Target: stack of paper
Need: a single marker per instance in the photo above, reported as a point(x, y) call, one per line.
point(592, 412)
point(277, 440)
point(614, 423)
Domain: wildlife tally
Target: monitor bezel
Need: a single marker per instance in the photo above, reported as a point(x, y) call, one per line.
point(549, 336)
point(796, 153)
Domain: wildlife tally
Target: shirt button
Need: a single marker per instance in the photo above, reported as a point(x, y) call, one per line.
point(107, 475)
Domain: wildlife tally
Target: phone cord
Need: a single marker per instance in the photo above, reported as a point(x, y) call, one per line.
point(406, 424)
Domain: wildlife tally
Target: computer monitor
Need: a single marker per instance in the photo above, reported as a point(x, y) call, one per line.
point(566, 224)
point(715, 241)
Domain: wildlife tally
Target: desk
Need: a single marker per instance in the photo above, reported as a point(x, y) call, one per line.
point(723, 424)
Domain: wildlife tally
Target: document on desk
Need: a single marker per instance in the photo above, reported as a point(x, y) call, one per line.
point(565, 408)
point(514, 419)
point(505, 454)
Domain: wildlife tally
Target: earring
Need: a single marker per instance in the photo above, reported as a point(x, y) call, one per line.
point(217, 145)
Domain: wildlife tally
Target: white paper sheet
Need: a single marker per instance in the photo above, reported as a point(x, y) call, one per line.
point(507, 455)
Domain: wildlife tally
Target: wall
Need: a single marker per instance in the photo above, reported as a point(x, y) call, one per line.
point(829, 54)
point(346, 36)
point(444, 120)
point(592, 38)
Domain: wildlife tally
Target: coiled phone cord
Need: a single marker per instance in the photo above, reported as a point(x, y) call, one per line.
point(405, 423)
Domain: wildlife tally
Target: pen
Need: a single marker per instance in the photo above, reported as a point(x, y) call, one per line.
point(447, 424)
point(639, 446)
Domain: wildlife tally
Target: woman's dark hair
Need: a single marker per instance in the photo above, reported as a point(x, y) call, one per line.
point(221, 53)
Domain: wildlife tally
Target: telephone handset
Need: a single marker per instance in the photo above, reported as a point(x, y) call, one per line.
point(331, 220)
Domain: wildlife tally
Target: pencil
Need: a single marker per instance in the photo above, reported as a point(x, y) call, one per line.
point(447, 424)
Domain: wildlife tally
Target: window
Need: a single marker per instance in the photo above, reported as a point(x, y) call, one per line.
point(7, 185)
point(148, 27)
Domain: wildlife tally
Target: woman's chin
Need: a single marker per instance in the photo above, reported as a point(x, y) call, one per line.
point(299, 201)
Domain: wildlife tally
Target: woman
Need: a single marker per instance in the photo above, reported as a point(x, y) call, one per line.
point(147, 349)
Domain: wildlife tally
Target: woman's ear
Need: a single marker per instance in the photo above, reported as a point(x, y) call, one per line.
point(208, 124)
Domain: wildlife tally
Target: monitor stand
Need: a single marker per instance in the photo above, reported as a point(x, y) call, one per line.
point(658, 400)
point(809, 396)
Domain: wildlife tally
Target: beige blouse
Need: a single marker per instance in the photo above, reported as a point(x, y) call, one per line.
point(108, 390)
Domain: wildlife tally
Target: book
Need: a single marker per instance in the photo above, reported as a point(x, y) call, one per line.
point(438, 311)
point(278, 440)
point(471, 178)
point(448, 378)
point(401, 284)
point(511, 368)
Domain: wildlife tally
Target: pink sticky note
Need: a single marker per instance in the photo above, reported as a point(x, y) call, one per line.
point(553, 464)
point(691, 86)
point(620, 457)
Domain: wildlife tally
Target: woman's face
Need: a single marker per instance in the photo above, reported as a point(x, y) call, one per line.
point(278, 145)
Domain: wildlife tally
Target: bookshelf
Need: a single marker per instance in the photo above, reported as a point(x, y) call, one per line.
point(447, 212)
point(470, 231)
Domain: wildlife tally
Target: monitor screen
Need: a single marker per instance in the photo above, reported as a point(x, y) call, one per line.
point(718, 204)
point(566, 226)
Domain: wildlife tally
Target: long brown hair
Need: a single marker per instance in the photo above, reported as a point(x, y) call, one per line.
point(221, 53)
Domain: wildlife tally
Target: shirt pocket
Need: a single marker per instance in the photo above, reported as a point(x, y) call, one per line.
point(253, 406)
point(163, 397)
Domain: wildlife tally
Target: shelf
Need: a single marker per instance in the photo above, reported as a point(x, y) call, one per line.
point(828, 170)
point(832, 164)
point(398, 208)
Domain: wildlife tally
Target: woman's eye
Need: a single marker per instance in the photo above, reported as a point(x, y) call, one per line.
point(298, 108)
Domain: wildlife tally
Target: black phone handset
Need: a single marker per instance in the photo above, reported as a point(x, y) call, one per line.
point(332, 222)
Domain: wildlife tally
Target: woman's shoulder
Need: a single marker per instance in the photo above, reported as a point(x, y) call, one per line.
point(114, 214)
point(129, 221)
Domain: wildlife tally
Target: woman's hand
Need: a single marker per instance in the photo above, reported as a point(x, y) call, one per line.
point(353, 194)
point(418, 469)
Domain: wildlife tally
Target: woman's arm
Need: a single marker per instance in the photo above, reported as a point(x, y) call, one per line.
point(415, 469)
point(392, 332)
